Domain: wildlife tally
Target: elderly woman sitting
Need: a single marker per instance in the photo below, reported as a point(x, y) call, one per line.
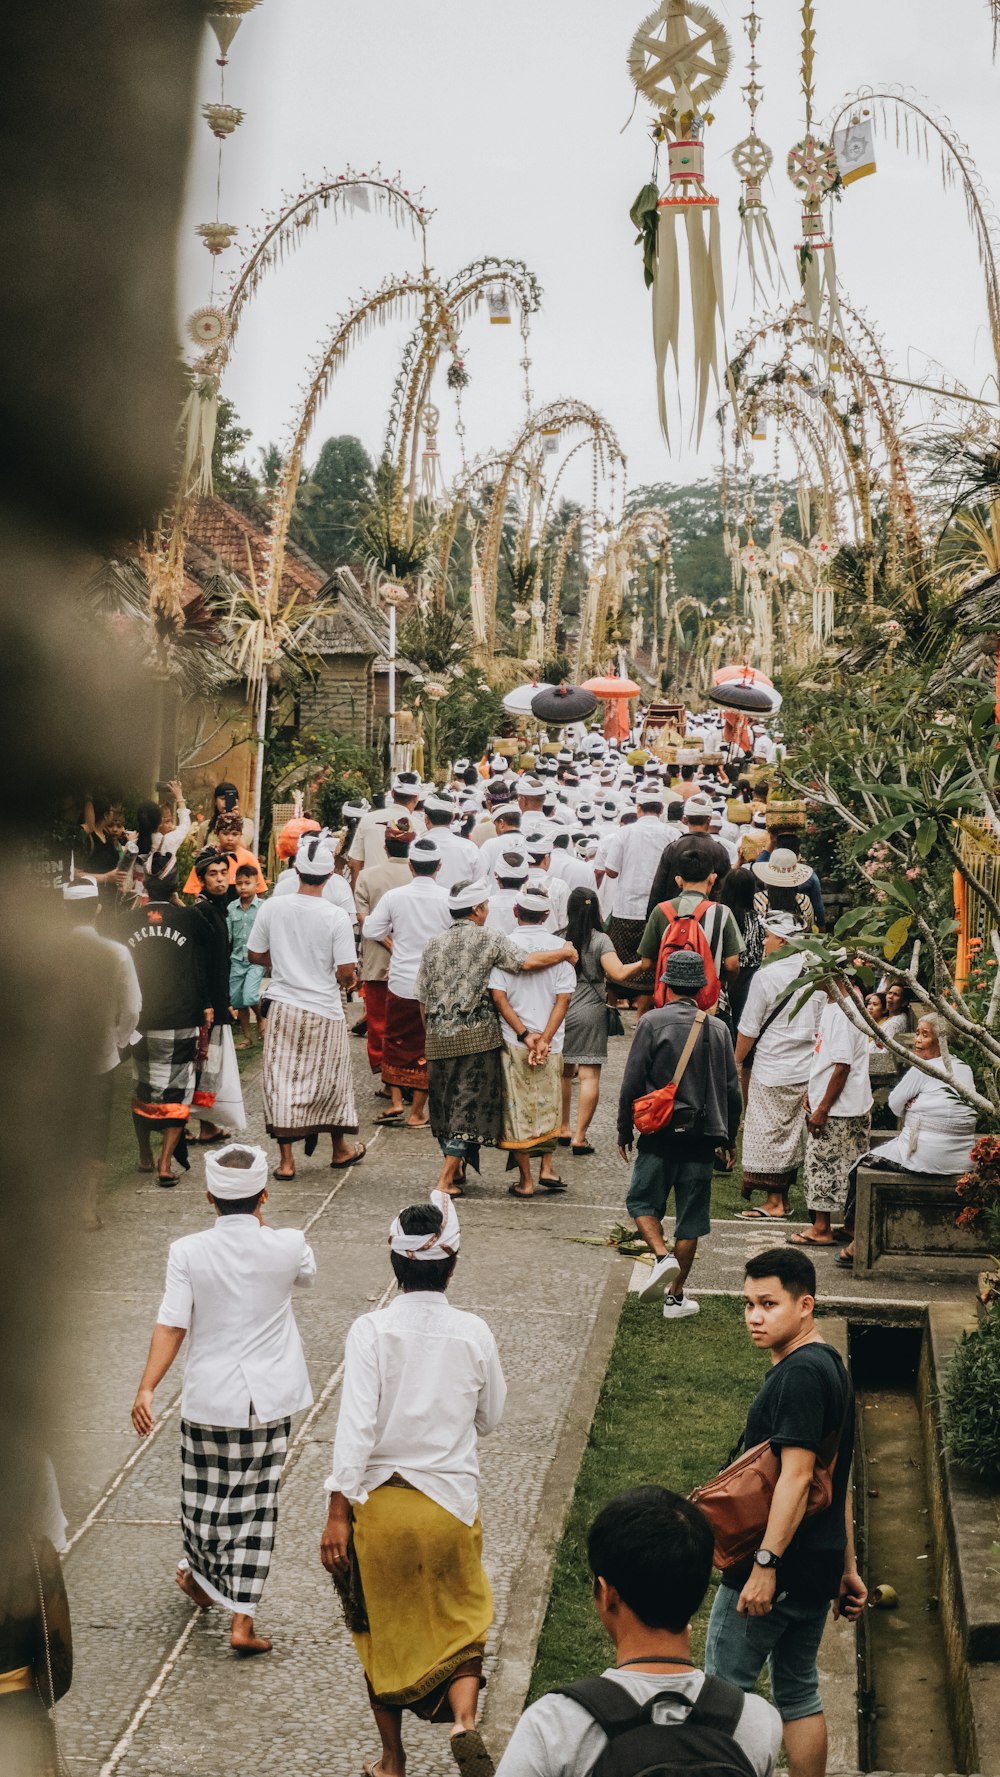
point(936, 1128)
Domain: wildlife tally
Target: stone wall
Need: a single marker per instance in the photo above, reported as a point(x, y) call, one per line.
point(342, 699)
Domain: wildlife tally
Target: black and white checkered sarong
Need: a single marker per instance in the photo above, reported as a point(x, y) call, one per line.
point(229, 1506)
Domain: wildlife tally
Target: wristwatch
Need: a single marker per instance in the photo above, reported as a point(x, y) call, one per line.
point(764, 1558)
point(522, 1035)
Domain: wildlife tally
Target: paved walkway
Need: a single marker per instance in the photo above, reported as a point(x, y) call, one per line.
point(156, 1690)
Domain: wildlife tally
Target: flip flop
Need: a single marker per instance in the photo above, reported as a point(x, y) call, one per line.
point(209, 1141)
point(761, 1215)
point(284, 1178)
point(416, 1127)
point(807, 1240)
point(470, 1754)
point(844, 1261)
point(165, 1181)
point(388, 1117)
point(352, 1160)
point(564, 1140)
point(371, 1768)
point(583, 1147)
point(525, 1196)
point(552, 1184)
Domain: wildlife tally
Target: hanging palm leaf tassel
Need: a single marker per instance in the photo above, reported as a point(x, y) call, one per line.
point(758, 238)
point(818, 275)
point(198, 421)
point(701, 221)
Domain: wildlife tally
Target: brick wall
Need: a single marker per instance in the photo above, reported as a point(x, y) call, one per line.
point(342, 699)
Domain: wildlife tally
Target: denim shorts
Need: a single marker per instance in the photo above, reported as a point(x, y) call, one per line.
point(654, 1176)
point(786, 1641)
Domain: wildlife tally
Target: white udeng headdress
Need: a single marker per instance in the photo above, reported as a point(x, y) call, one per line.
point(443, 1245)
point(236, 1182)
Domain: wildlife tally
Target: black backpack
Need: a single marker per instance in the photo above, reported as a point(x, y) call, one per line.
point(640, 1747)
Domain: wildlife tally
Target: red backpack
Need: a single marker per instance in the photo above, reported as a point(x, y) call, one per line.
point(685, 932)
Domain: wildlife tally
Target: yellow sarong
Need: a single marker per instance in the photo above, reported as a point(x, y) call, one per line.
point(428, 1600)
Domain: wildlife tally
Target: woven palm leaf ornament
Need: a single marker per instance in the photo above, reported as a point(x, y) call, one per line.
point(678, 62)
point(206, 328)
point(813, 170)
point(753, 160)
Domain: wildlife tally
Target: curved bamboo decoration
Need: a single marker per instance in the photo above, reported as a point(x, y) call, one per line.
point(284, 232)
point(556, 581)
point(559, 416)
point(955, 159)
point(464, 292)
point(391, 298)
point(446, 528)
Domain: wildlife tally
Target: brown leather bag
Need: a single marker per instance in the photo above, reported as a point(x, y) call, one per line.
point(738, 1502)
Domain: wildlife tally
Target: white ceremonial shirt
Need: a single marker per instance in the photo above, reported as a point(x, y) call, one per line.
point(336, 890)
point(409, 916)
point(124, 1002)
point(632, 854)
point(461, 861)
point(421, 1380)
point(231, 1287)
point(840, 1041)
point(558, 893)
point(572, 870)
point(501, 914)
point(368, 844)
point(784, 1054)
point(532, 996)
point(308, 941)
point(938, 1129)
point(492, 849)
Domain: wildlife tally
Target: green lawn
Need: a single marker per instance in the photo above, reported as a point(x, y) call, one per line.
point(727, 1202)
point(672, 1406)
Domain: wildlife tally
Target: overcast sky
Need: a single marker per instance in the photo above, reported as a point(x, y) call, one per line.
point(510, 118)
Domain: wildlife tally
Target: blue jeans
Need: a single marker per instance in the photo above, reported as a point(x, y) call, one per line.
point(786, 1641)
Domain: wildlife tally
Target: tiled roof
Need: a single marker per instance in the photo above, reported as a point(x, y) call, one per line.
point(224, 534)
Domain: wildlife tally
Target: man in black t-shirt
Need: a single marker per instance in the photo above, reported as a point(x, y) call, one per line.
point(772, 1609)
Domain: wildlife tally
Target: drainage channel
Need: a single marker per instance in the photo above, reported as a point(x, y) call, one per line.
point(903, 1678)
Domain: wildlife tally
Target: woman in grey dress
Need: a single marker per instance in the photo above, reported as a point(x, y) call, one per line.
point(586, 1046)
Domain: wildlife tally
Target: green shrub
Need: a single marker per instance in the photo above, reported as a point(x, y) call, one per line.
point(972, 1401)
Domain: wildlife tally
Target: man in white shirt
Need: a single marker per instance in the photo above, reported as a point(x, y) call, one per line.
point(404, 920)
point(564, 863)
point(774, 1053)
point(507, 837)
point(650, 1553)
point(538, 845)
point(336, 889)
point(838, 1117)
point(307, 946)
point(403, 1539)
point(368, 845)
point(510, 875)
point(114, 998)
point(629, 859)
point(461, 861)
point(230, 1287)
point(532, 1010)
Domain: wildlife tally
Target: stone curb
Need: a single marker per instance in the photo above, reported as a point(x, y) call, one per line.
point(529, 1594)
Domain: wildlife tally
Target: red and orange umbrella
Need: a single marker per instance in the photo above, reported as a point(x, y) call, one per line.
point(611, 686)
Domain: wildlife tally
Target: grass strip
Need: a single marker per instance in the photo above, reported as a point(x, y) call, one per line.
point(672, 1406)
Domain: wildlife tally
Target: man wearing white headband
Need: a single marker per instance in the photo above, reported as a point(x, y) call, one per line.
point(510, 874)
point(774, 1053)
point(408, 917)
point(336, 889)
point(230, 1287)
point(403, 1538)
point(463, 1041)
point(307, 946)
point(368, 845)
point(532, 1008)
point(459, 857)
point(630, 858)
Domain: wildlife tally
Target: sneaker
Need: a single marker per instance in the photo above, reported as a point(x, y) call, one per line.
point(679, 1307)
point(663, 1271)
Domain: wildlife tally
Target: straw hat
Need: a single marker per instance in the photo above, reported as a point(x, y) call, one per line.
point(782, 870)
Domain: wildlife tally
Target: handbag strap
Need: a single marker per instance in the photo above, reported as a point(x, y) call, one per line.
point(688, 1049)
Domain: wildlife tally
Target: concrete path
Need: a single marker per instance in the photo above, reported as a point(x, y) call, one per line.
point(156, 1690)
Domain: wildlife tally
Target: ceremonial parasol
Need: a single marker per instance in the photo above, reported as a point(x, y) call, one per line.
point(611, 686)
point(518, 701)
point(751, 675)
point(555, 706)
point(615, 692)
point(737, 695)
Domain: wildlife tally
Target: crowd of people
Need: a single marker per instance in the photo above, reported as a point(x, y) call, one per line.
point(499, 930)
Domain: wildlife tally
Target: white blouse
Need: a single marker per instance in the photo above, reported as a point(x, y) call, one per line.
point(938, 1128)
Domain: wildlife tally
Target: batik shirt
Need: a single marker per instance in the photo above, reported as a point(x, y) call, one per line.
point(453, 987)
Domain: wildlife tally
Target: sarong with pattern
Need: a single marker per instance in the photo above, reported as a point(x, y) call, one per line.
point(229, 1506)
point(163, 1068)
point(532, 1101)
point(774, 1136)
point(307, 1081)
point(404, 1062)
point(829, 1158)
